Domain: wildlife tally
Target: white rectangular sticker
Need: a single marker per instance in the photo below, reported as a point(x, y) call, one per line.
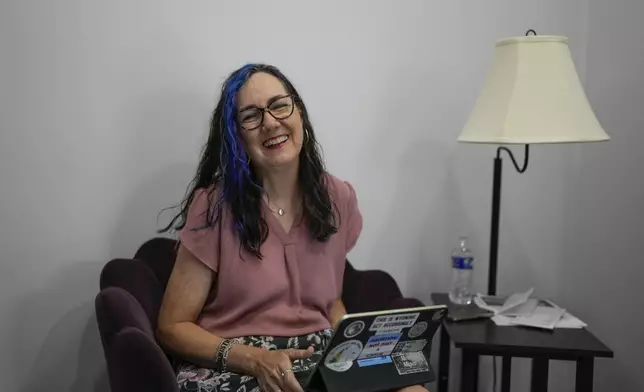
point(379, 345)
point(410, 363)
point(410, 346)
point(393, 323)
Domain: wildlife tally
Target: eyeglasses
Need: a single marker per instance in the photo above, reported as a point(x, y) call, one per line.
point(279, 107)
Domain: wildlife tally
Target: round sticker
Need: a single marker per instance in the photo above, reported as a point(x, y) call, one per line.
point(340, 366)
point(417, 330)
point(354, 329)
point(437, 315)
point(341, 357)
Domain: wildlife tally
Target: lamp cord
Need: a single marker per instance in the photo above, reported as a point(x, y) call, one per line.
point(514, 161)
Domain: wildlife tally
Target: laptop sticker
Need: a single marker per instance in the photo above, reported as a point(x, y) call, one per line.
point(409, 363)
point(417, 330)
point(341, 357)
point(354, 329)
point(393, 323)
point(410, 346)
point(374, 361)
point(379, 345)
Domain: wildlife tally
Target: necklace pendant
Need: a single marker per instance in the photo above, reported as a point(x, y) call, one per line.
point(280, 212)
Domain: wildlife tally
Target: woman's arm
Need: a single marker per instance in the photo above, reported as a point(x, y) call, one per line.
point(188, 287)
point(337, 311)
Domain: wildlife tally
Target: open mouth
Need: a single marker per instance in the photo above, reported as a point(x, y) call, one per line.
point(275, 142)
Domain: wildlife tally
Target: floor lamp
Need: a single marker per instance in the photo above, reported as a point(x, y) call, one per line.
point(532, 95)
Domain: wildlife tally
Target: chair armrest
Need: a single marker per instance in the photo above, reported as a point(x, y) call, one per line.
point(142, 364)
point(135, 361)
point(135, 277)
point(117, 309)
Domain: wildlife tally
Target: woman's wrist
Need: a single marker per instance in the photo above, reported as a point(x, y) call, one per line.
point(244, 359)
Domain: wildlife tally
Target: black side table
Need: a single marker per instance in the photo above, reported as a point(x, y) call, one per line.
point(483, 337)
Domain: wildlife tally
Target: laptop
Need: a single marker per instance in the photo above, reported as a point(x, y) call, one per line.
point(380, 350)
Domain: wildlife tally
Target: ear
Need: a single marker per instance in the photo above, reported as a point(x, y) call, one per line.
point(298, 106)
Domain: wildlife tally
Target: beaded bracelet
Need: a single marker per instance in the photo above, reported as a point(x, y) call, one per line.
point(218, 353)
point(221, 358)
point(224, 355)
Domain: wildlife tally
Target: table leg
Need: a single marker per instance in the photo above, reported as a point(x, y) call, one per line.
point(506, 372)
point(443, 361)
point(584, 379)
point(539, 382)
point(469, 371)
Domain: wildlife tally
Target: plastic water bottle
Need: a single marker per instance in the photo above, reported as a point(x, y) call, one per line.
point(462, 265)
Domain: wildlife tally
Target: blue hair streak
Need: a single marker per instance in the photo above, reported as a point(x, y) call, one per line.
point(233, 159)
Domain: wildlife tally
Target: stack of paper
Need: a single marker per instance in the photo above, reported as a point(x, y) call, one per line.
point(520, 309)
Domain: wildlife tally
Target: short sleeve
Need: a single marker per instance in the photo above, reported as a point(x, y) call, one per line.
point(354, 219)
point(199, 238)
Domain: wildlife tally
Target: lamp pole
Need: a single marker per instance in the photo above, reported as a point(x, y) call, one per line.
point(496, 211)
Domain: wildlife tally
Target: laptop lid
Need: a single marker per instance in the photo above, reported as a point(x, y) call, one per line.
point(379, 351)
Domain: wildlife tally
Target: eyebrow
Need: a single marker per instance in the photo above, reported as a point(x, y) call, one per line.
point(270, 101)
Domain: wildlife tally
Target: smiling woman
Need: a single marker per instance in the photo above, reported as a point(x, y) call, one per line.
point(283, 135)
point(264, 233)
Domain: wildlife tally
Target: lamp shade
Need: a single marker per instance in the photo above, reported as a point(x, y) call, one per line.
point(532, 94)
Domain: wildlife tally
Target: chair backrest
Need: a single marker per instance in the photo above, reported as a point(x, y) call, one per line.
point(159, 254)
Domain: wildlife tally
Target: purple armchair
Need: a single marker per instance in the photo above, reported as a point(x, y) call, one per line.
point(128, 303)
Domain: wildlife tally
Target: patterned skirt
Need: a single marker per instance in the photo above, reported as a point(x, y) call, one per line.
point(192, 378)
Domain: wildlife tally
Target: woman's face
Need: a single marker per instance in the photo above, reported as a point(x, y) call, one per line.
point(272, 137)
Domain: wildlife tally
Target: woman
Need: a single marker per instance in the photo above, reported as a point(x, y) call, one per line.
point(264, 231)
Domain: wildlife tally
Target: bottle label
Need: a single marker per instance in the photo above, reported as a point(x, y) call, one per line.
point(462, 262)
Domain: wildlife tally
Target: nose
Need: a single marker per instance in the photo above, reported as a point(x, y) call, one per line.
point(269, 123)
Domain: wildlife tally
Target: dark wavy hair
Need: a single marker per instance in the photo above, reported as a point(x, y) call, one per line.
point(224, 168)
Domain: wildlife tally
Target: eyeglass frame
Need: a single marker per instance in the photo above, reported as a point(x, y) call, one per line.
point(265, 109)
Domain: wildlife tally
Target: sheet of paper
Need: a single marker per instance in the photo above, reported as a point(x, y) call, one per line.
point(502, 321)
point(570, 321)
point(542, 317)
point(516, 304)
point(525, 309)
point(515, 300)
point(521, 310)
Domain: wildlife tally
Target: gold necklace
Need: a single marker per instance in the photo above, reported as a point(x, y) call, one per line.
point(280, 210)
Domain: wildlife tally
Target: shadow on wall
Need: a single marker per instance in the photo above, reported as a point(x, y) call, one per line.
point(61, 310)
point(70, 357)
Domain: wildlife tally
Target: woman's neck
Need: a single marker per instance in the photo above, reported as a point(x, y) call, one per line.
point(281, 186)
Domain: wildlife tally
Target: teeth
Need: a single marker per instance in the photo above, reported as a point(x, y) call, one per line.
point(275, 140)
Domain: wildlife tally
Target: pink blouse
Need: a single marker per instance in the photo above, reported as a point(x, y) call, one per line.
point(291, 290)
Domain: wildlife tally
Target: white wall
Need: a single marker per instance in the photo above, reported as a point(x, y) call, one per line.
point(605, 208)
point(104, 107)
